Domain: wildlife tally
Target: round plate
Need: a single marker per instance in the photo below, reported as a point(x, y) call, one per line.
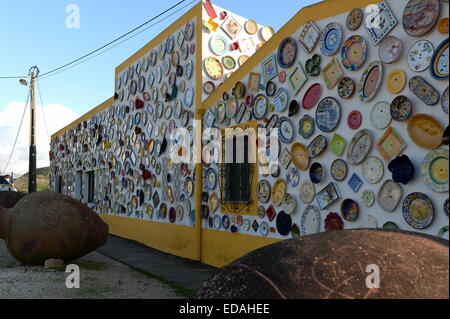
point(251, 27)
point(211, 179)
point(285, 130)
point(389, 195)
point(443, 27)
point(316, 173)
point(444, 101)
point(370, 81)
point(330, 38)
point(373, 170)
point(293, 177)
point(368, 198)
point(439, 61)
point(287, 53)
point(425, 131)
point(434, 170)
point(346, 88)
point(306, 126)
point(333, 222)
point(209, 87)
point(349, 210)
point(339, 170)
point(267, 33)
point(317, 146)
point(264, 228)
point(310, 221)
point(418, 210)
point(390, 226)
point(420, 55)
point(396, 81)
point(284, 223)
point(189, 30)
point(260, 107)
point(307, 192)
point(228, 62)
point(354, 19)
point(231, 107)
point(281, 100)
point(390, 49)
point(289, 204)
point(263, 191)
point(218, 45)
point(401, 108)
point(354, 120)
point(188, 97)
point(312, 96)
point(300, 156)
point(359, 147)
point(328, 114)
point(420, 16)
point(446, 207)
point(354, 52)
point(213, 68)
point(278, 191)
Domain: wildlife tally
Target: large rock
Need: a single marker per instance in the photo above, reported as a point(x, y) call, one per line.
point(48, 225)
point(9, 199)
point(333, 265)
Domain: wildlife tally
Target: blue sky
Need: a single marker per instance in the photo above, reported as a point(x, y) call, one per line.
point(34, 33)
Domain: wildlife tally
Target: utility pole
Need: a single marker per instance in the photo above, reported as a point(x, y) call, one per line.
point(34, 72)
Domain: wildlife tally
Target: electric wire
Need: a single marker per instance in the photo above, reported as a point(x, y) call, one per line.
point(18, 132)
point(42, 77)
point(43, 111)
point(113, 41)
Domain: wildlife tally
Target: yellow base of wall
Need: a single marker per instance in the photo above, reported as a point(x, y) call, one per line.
point(173, 239)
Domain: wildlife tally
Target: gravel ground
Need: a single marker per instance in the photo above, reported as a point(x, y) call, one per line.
point(100, 278)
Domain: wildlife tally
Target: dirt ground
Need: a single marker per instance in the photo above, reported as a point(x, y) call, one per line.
point(100, 278)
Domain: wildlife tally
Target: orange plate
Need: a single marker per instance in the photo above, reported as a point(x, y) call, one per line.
point(425, 131)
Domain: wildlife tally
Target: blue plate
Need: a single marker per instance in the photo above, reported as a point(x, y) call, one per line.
point(328, 114)
point(330, 38)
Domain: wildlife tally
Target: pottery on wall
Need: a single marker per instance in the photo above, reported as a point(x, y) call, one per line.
point(48, 225)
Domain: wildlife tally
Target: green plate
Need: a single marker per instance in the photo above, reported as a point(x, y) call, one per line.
point(337, 145)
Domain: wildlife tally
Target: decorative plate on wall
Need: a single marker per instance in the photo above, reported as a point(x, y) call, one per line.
point(349, 210)
point(354, 120)
point(281, 100)
point(370, 81)
point(306, 126)
point(300, 156)
point(368, 198)
point(297, 78)
point(418, 210)
point(328, 114)
point(420, 16)
point(333, 222)
point(390, 49)
point(310, 221)
point(312, 96)
point(307, 192)
point(263, 191)
point(359, 147)
point(440, 60)
point(293, 177)
point(213, 68)
point(316, 173)
point(328, 196)
point(425, 131)
point(373, 170)
point(309, 35)
point(396, 81)
point(420, 55)
point(389, 195)
point(317, 146)
point(354, 19)
point(390, 145)
point(218, 45)
point(337, 145)
point(287, 53)
point(424, 91)
point(278, 191)
point(332, 73)
point(355, 182)
point(401, 108)
point(330, 38)
point(377, 30)
point(354, 52)
point(435, 170)
point(445, 100)
point(346, 88)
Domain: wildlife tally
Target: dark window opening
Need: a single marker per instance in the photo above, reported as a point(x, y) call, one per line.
point(237, 176)
point(91, 186)
point(59, 185)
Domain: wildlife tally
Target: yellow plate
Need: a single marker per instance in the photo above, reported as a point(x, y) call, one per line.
point(396, 81)
point(278, 191)
point(300, 156)
point(425, 131)
point(251, 27)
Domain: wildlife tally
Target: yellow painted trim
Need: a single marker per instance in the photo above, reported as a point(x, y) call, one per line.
point(170, 238)
point(220, 248)
point(195, 11)
point(315, 12)
point(85, 117)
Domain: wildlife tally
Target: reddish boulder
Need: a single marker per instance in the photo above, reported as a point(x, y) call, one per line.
point(333, 265)
point(48, 225)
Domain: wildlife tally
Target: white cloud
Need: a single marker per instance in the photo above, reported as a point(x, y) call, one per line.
point(57, 116)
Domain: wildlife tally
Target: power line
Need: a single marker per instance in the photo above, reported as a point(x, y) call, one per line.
point(12, 77)
point(115, 40)
point(43, 112)
point(17, 136)
point(117, 44)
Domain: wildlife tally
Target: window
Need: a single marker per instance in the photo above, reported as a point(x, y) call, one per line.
point(59, 184)
point(78, 185)
point(91, 186)
point(237, 174)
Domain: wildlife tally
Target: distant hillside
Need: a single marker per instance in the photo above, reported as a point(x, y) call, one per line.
point(42, 179)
